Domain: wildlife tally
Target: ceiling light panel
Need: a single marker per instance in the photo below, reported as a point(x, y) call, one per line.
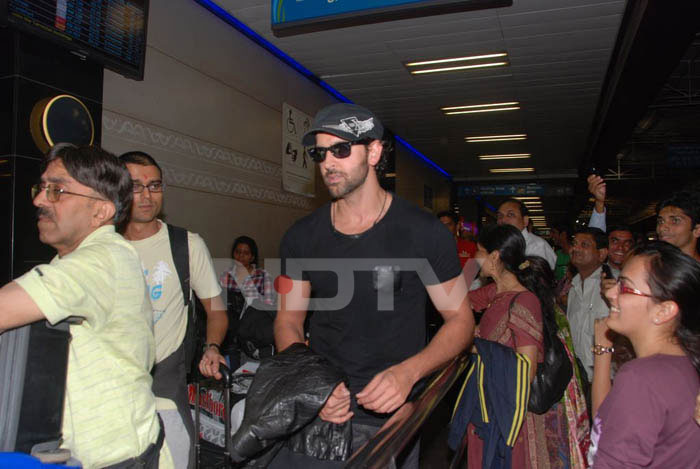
point(528, 198)
point(457, 59)
point(512, 170)
point(457, 64)
point(505, 156)
point(475, 106)
point(495, 138)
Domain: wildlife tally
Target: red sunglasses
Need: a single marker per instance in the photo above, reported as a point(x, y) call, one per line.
point(622, 288)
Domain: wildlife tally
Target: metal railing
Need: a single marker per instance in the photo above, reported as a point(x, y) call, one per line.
point(398, 431)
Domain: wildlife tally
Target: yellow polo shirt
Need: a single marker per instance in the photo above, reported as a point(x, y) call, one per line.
point(109, 410)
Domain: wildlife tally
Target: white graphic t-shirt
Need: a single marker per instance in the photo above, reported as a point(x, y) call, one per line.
point(164, 290)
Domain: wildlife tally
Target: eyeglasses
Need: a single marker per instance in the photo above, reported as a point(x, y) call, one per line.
point(339, 150)
point(155, 186)
point(622, 288)
point(53, 192)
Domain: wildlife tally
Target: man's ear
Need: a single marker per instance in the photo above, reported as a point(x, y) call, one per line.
point(602, 254)
point(526, 220)
point(374, 152)
point(696, 231)
point(104, 212)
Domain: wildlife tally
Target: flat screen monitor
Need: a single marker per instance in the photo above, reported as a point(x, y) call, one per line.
point(304, 16)
point(111, 32)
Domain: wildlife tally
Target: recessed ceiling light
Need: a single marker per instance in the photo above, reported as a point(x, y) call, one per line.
point(454, 113)
point(506, 156)
point(512, 170)
point(458, 68)
point(528, 198)
point(535, 210)
point(474, 106)
point(456, 59)
point(495, 138)
point(455, 64)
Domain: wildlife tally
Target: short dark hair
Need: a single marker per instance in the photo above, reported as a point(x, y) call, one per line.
point(387, 147)
point(599, 236)
point(562, 228)
point(99, 170)
point(687, 201)
point(251, 244)
point(521, 205)
point(621, 228)
point(140, 158)
point(450, 214)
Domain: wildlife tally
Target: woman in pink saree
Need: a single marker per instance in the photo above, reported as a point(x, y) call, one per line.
point(514, 305)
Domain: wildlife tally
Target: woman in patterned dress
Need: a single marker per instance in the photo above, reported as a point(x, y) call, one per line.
point(514, 305)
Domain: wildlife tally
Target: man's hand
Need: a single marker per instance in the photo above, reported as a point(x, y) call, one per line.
point(209, 365)
point(387, 391)
point(596, 186)
point(337, 407)
point(605, 285)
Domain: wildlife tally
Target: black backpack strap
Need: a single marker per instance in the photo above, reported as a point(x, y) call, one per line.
point(179, 246)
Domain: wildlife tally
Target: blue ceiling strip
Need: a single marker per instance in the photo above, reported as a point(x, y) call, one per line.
point(274, 50)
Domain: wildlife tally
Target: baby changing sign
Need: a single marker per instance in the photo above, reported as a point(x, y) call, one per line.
point(298, 169)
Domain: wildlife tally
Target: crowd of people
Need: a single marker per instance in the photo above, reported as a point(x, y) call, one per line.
point(357, 276)
point(626, 313)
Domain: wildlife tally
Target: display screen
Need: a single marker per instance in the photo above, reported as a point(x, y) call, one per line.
point(112, 32)
point(301, 16)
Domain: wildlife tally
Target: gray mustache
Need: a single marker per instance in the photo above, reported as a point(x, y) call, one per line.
point(42, 212)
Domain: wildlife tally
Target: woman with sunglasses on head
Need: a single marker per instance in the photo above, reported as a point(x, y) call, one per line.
point(646, 418)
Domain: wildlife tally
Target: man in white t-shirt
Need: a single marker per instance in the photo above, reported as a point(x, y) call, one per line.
point(514, 212)
point(150, 236)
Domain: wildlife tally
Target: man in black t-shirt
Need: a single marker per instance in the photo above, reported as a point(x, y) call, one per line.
point(363, 264)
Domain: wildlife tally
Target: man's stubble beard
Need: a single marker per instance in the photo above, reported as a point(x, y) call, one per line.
point(351, 184)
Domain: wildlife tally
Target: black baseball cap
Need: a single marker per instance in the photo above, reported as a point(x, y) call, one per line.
point(347, 121)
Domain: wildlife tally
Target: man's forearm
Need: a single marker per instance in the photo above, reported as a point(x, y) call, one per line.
point(217, 320)
point(287, 333)
point(217, 324)
point(16, 307)
point(452, 338)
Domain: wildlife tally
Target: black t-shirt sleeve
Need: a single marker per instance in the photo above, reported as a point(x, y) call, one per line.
point(291, 254)
point(441, 255)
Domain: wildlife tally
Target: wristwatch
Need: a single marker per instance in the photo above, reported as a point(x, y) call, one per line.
point(206, 347)
point(600, 350)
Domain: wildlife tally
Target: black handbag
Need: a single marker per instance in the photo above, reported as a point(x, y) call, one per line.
point(256, 330)
point(553, 374)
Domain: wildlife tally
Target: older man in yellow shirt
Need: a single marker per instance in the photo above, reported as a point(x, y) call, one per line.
point(110, 415)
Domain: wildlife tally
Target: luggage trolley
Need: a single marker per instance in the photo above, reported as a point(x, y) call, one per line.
point(209, 455)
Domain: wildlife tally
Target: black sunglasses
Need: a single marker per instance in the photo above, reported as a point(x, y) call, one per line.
point(339, 150)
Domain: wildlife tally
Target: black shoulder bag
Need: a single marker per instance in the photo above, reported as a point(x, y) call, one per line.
point(553, 374)
point(194, 337)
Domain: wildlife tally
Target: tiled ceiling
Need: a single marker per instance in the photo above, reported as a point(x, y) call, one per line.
point(558, 52)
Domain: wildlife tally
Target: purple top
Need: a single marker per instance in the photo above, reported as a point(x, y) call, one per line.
point(647, 419)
